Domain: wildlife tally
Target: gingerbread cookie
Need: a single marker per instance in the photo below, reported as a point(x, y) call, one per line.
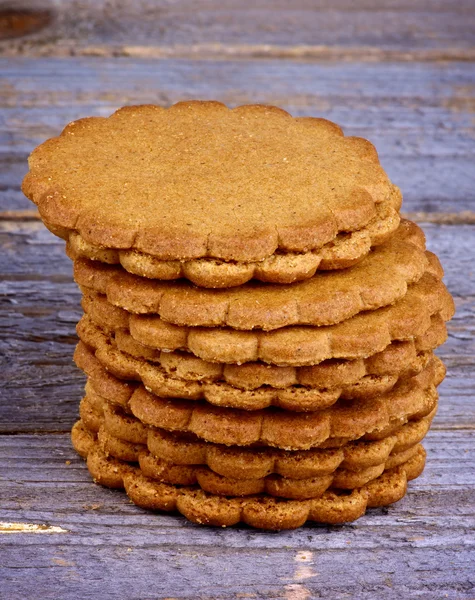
point(259, 511)
point(200, 180)
point(346, 250)
point(410, 399)
point(272, 485)
point(278, 387)
point(358, 337)
point(325, 299)
point(123, 436)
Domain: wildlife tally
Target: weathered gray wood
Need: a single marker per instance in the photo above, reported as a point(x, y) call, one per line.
point(29, 250)
point(41, 386)
point(422, 546)
point(420, 117)
point(303, 29)
point(40, 306)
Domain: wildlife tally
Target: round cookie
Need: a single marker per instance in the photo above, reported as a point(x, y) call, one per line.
point(98, 326)
point(346, 250)
point(262, 512)
point(272, 485)
point(409, 400)
point(125, 437)
point(201, 380)
point(199, 180)
point(250, 463)
point(325, 299)
point(359, 337)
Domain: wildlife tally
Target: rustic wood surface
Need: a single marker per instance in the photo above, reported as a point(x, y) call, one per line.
point(399, 72)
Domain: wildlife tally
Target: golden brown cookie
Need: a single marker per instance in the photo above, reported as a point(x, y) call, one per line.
point(100, 313)
point(252, 463)
point(358, 337)
point(267, 386)
point(94, 327)
point(185, 448)
point(82, 438)
point(106, 386)
point(272, 513)
point(124, 436)
point(258, 511)
point(396, 358)
point(272, 485)
point(117, 448)
point(200, 180)
point(409, 399)
point(346, 250)
point(325, 299)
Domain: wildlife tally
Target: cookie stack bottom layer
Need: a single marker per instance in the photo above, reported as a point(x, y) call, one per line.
point(261, 511)
point(262, 486)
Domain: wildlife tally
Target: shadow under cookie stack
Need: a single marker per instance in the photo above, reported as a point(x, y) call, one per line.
point(259, 323)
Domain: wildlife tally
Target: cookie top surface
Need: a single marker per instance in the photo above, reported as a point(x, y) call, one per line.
point(199, 179)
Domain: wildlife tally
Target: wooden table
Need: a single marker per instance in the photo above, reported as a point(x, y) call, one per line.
point(399, 72)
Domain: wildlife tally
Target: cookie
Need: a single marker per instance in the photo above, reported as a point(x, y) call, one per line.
point(259, 511)
point(103, 313)
point(272, 513)
point(117, 448)
point(358, 337)
point(200, 180)
point(105, 385)
point(272, 485)
point(124, 436)
point(120, 392)
point(83, 439)
point(325, 299)
point(252, 463)
point(346, 250)
point(393, 359)
point(408, 400)
point(125, 446)
point(397, 358)
point(182, 448)
point(201, 380)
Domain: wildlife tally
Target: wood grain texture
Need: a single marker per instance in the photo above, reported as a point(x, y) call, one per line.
point(40, 307)
point(399, 72)
point(299, 30)
point(420, 117)
point(111, 549)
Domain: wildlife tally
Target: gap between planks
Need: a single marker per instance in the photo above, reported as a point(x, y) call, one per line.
point(438, 218)
point(219, 51)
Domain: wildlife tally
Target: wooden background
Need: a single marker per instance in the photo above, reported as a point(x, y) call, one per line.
point(400, 72)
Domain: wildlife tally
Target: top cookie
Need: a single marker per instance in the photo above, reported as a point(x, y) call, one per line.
point(200, 180)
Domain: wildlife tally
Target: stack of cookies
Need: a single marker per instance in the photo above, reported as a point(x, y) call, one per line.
point(259, 323)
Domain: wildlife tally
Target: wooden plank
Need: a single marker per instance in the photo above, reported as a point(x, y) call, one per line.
point(420, 117)
point(42, 386)
point(420, 546)
point(40, 306)
point(30, 252)
point(303, 29)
